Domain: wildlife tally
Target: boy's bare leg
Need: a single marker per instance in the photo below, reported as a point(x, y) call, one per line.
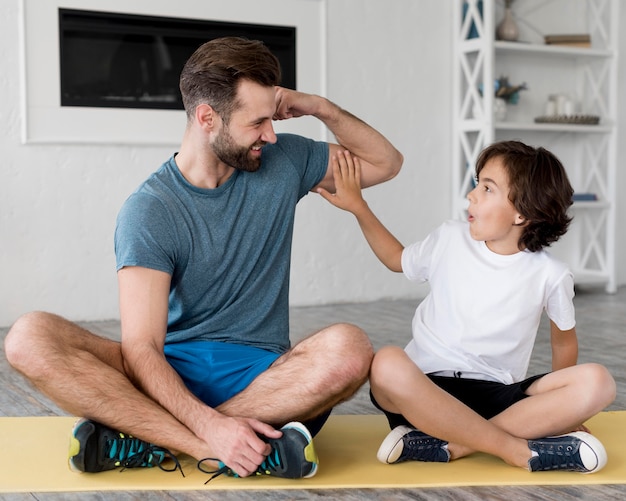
point(557, 405)
point(399, 386)
point(559, 402)
point(316, 374)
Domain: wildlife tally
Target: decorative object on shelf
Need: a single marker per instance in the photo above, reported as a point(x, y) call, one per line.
point(499, 109)
point(581, 40)
point(584, 197)
point(508, 92)
point(569, 119)
point(507, 28)
point(560, 104)
point(504, 94)
point(503, 89)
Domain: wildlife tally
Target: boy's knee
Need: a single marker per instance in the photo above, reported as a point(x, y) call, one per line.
point(385, 365)
point(601, 383)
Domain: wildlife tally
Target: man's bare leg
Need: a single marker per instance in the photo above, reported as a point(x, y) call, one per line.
point(84, 374)
point(315, 375)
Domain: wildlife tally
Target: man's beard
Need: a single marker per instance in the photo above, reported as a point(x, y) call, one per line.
point(234, 155)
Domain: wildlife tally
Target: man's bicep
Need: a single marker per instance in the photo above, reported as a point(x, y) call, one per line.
point(370, 174)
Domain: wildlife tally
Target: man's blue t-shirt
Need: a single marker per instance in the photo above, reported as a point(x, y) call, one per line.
point(227, 249)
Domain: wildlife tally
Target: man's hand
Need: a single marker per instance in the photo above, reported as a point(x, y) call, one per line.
point(236, 443)
point(294, 104)
point(347, 176)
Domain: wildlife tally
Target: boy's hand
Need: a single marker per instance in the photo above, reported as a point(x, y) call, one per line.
point(347, 176)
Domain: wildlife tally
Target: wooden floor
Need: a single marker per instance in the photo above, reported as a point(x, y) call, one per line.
point(602, 335)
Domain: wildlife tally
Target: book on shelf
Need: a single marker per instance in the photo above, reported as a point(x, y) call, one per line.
point(584, 197)
point(582, 40)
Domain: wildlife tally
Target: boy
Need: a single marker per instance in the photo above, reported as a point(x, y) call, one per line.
point(459, 386)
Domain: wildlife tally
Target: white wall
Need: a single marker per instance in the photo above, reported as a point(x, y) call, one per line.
point(389, 62)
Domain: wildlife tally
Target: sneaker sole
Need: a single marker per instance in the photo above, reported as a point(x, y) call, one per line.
point(595, 448)
point(74, 448)
point(391, 448)
point(309, 451)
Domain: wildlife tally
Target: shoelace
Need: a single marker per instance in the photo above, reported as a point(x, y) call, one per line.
point(135, 453)
point(215, 473)
point(562, 458)
point(269, 465)
point(429, 448)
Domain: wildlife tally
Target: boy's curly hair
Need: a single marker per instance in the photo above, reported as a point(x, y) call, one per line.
point(538, 188)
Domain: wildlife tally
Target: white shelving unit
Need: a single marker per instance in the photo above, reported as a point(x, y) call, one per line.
point(587, 74)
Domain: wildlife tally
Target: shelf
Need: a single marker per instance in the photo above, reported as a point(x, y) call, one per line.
point(475, 125)
point(579, 205)
point(593, 205)
point(474, 45)
point(551, 50)
point(588, 149)
point(546, 127)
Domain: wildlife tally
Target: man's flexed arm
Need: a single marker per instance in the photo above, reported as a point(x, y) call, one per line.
point(380, 160)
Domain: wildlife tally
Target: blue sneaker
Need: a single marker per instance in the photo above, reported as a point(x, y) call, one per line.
point(408, 444)
point(95, 447)
point(579, 451)
point(292, 456)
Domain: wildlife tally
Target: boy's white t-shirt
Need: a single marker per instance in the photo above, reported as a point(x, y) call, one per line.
point(483, 310)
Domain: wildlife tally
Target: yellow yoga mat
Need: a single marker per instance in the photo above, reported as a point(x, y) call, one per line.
point(33, 458)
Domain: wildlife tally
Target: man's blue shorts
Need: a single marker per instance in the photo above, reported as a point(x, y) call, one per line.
point(216, 372)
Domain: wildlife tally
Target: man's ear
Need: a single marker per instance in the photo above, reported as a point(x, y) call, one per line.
point(206, 117)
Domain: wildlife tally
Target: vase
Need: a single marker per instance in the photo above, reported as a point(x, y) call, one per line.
point(499, 109)
point(507, 29)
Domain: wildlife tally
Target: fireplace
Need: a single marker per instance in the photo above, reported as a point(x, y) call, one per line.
point(119, 60)
point(61, 104)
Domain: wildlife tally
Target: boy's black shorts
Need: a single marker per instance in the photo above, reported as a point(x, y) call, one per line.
point(487, 398)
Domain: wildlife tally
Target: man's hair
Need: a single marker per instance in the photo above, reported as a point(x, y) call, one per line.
point(538, 188)
point(213, 72)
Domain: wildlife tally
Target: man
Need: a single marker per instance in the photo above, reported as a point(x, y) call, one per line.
point(203, 247)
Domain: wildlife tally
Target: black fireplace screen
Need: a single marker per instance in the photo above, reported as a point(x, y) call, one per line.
point(130, 61)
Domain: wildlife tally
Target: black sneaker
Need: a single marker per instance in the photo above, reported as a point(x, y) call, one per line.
point(95, 448)
point(408, 444)
point(579, 451)
point(292, 456)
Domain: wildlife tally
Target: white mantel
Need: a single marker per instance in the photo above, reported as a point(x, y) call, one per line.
point(46, 121)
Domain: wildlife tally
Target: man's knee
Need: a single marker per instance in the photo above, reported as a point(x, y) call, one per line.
point(351, 348)
point(24, 339)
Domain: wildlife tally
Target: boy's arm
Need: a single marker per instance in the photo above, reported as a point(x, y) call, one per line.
point(347, 177)
point(564, 347)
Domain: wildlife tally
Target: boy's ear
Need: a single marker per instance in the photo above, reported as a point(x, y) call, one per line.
point(520, 220)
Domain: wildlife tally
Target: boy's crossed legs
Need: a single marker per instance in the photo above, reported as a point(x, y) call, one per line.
point(557, 403)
